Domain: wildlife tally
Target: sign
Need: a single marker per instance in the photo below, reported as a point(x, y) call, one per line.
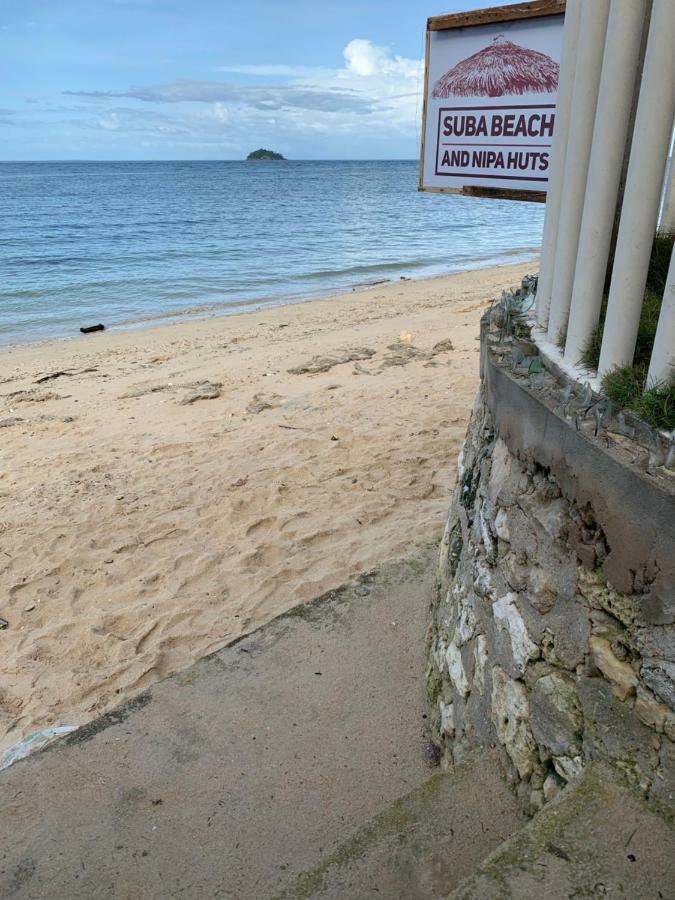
point(491, 81)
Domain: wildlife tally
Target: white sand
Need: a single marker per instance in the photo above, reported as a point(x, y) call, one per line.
point(147, 532)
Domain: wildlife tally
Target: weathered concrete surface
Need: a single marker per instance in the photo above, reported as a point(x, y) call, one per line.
point(423, 844)
point(233, 777)
point(596, 839)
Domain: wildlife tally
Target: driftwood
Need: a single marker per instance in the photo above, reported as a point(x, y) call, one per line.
point(89, 328)
point(52, 375)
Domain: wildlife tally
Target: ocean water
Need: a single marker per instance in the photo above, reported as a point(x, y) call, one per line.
point(124, 243)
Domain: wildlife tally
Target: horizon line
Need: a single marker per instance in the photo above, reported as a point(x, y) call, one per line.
point(238, 159)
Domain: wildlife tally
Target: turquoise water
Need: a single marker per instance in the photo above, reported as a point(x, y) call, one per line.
point(129, 242)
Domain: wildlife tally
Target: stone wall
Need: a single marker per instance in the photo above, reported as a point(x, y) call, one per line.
point(552, 630)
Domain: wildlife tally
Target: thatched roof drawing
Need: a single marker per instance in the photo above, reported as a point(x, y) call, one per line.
point(500, 69)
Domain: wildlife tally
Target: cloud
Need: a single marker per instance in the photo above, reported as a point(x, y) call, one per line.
point(264, 98)
point(138, 120)
point(271, 70)
point(373, 96)
point(365, 58)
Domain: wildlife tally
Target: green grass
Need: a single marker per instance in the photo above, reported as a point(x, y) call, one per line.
point(625, 387)
point(659, 262)
point(651, 306)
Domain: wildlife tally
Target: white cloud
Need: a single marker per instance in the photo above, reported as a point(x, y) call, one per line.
point(269, 70)
point(374, 96)
point(300, 95)
point(365, 58)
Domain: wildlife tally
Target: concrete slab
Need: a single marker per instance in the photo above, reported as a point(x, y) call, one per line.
point(596, 839)
point(235, 776)
point(423, 844)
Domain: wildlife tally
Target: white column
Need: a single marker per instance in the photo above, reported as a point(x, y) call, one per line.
point(610, 132)
point(663, 353)
point(642, 195)
point(667, 222)
point(590, 49)
point(557, 164)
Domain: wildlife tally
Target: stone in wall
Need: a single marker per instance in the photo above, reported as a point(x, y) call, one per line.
point(531, 648)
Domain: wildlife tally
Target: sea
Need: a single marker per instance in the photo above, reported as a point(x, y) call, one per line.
point(131, 243)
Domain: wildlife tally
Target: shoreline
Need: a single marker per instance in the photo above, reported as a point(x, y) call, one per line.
point(167, 490)
point(206, 312)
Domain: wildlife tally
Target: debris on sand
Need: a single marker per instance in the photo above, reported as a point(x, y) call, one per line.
point(64, 419)
point(202, 390)
point(154, 389)
point(15, 420)
point(326, 362)
point(197, 390)
point(260, 402)
point(33, 396)
point(401, 354)
point(63, 372)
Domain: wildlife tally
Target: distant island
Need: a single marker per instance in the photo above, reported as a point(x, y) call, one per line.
point(264, 154)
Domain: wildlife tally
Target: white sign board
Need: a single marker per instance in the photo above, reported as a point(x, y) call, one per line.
point(490, 96)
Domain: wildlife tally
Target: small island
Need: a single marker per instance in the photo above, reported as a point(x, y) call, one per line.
point(264, 154)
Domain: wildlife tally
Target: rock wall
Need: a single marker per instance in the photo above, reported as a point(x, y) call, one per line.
point(531, 648)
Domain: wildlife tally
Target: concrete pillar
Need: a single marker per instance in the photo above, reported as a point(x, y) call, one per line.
point(663, 354)
point(642, 196)
point(558, 152)
point(592, 30)
point(610, 132)
point(667, 222)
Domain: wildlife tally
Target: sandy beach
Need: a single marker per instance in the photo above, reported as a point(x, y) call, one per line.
point(164, 491)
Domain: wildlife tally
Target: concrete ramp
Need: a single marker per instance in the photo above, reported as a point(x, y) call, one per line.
point(236, 776)
point(293, 766)
point(596, 839)
point(422, 845)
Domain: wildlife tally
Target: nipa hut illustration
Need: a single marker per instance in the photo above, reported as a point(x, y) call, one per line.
point(500, 69)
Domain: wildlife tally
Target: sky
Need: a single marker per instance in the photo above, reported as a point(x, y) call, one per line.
point(213, 79)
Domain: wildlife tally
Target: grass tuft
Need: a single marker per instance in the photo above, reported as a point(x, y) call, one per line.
point(651, 306)
point(659, 261)
point(657, 406)
point(625, 387)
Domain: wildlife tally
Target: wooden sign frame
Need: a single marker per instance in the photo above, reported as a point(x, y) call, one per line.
point(495, 14)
